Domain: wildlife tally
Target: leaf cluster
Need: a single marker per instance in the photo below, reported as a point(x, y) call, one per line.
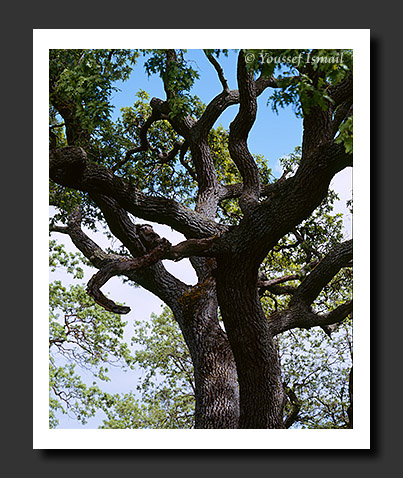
point(81, 81)
point(178, 77)
point(346, 134)
point(303, 77)
point(83, 334)
point(166, 387)
point(316, 369)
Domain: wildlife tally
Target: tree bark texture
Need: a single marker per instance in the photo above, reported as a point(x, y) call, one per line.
point(257, 361)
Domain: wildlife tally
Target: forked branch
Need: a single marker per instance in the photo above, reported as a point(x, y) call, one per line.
point(299, 313)
point(142, 241)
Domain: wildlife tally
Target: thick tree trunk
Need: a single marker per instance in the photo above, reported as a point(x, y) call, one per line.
point(216, 385)
point(256, 357)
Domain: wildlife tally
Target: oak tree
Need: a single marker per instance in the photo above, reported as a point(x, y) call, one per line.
point(164, 167)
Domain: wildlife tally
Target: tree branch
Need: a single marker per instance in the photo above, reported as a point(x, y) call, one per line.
point(183, 150)
point(305, 318)
point(147, 247)
point(343, 91)
point(238, 134)
point(274, 287)
point(69, 167)
point(170, 61)
point(61, 229)
point(299, 312)
point(144, 144)
point(223, 100)
point(218, 69)
point(340, 256)
point(119, 267)
point(86, 245)
point(295, 408)
point(207, 247)
point(182, 125)
point(140, 240)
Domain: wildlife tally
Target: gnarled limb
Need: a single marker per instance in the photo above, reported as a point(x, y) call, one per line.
point(340, 256)
point(70, 167)
point(299, 313)
point(305, 318)
point(118, 267)
point(238, 134)
point(154, 277)
point(147, 247)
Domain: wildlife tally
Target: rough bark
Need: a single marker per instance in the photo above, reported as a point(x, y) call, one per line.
point(217, 390)
point(257, 361)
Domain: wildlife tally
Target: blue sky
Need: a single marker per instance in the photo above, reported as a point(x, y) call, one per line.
point(273, 135)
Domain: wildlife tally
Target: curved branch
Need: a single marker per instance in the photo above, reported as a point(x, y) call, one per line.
point(86, 245)
point(218, 69)
point(119, 267)
point(309, 289)
point(299, 312)
point(224, 100)
point(305, 318)
point(69, 167)
point(238, 134)
point(144, 144)
point(163, 157)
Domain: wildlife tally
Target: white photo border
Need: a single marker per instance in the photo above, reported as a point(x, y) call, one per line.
point(356, 438)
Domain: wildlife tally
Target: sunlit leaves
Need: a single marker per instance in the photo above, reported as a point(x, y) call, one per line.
point(346, 135)
point(81, 82)
point(178, 77)
point(303, 76)
point(166, 386)
point(83, 335)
